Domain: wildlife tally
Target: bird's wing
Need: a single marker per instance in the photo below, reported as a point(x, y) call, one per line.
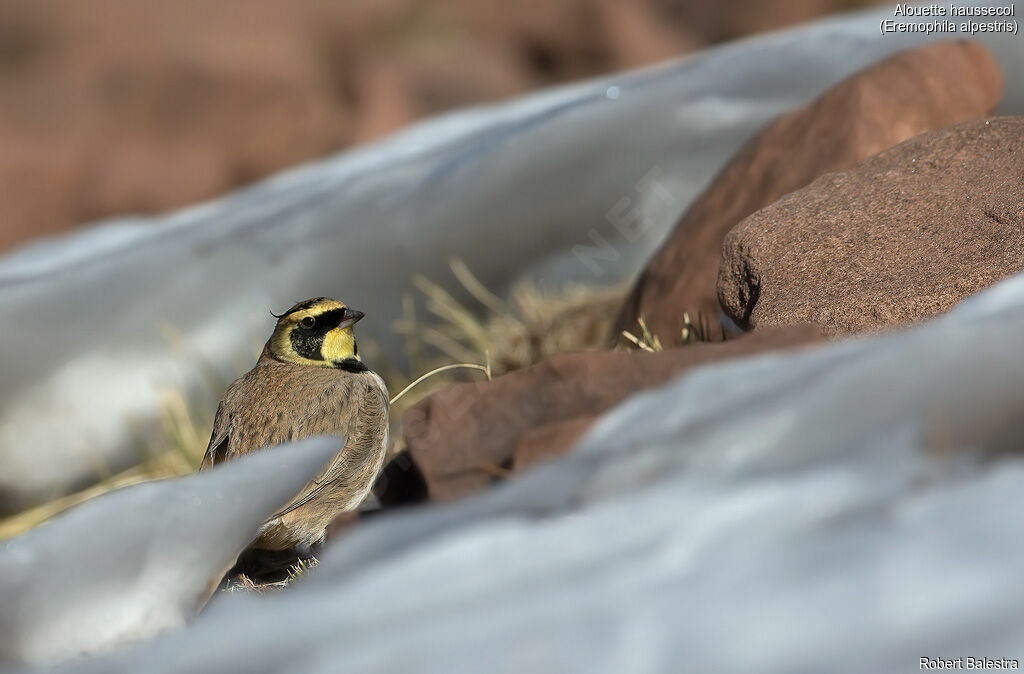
point(363, 420)
point(216, 451)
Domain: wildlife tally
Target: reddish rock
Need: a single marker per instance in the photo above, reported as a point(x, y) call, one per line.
point(465, 435)
point(908, 94)
point(341, 524)
point(549, 442)
point(903, 236)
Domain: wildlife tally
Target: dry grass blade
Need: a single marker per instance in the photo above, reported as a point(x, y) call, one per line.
point(303, 566)
point(646, 341)
point(15, 525)
point(243, 583)
point(649, 338)
point(640, 344)
point(699, 332)
point(449, 346)
point(446, 307)
point(477, 289)
point(486, 369)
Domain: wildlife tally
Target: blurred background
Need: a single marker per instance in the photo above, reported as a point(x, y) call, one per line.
point(110, 107)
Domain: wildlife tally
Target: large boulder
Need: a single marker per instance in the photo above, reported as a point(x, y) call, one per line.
point(465, 435)
point(547, 442)
point(905, 95)
point(904, 236)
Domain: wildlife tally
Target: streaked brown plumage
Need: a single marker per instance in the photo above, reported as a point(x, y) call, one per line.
point(307, 384)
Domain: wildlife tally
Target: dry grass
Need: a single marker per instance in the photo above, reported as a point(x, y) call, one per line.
point(646, 341)
point(243, 583)
point(531, 325)
point(690, 333)
point(502, 335)
point(183, 438)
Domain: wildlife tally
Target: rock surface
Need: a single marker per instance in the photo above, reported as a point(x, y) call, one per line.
point(544, 443)
point(463, 435)
point(902, 237)
point(907, 94)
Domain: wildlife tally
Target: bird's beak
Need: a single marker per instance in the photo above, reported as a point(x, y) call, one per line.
point(349, 318)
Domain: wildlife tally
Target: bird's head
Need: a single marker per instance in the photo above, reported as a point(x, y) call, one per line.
point(317, 332)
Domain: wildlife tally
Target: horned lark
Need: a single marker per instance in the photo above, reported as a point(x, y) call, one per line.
point(308, 381)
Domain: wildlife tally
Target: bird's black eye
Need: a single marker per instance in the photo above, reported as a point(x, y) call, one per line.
point(308, 322)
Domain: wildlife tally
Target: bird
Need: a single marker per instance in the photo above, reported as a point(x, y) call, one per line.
point(308, 381)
